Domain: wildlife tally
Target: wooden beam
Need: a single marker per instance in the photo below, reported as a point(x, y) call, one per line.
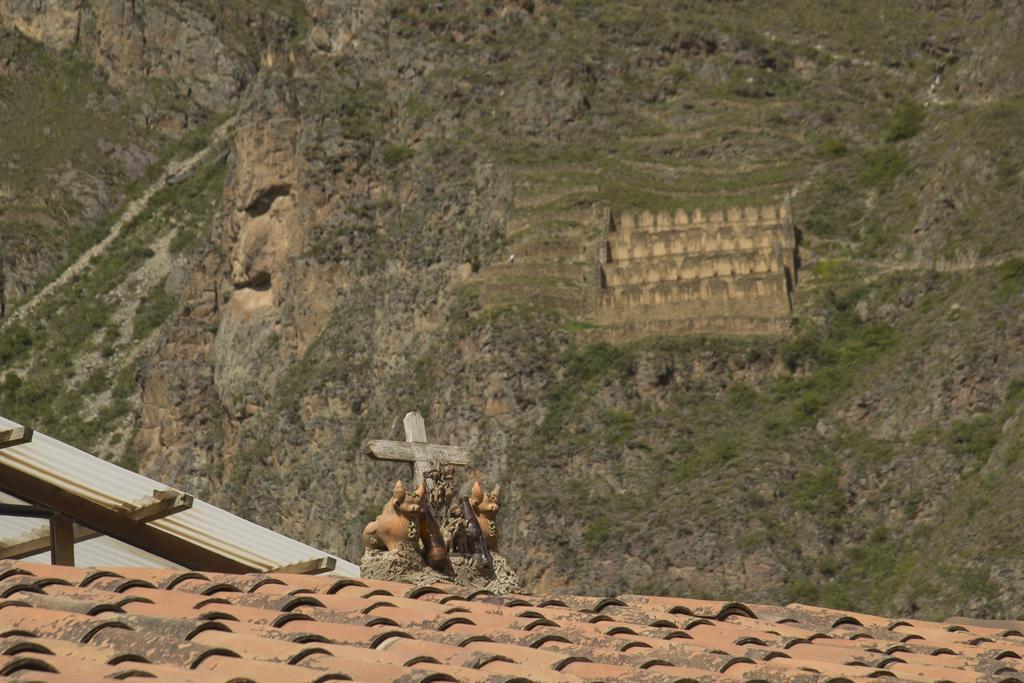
point(168, 503)
point(420, 455)
point(416, 452)
point(117, 525)
point(62, 540)
point(318, 565)
point(14, 436)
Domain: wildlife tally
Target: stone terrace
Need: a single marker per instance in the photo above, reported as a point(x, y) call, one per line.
point(725, 272)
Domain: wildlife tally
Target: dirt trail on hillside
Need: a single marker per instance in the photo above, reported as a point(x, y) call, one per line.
point(176, 171)
point(966, 263)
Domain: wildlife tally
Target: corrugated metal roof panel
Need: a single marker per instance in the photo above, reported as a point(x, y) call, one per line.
point(102, 551)
point(94, 552)
point(102, 482)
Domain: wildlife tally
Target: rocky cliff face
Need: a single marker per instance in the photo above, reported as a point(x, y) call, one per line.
point(181, 45)
point(387, 159)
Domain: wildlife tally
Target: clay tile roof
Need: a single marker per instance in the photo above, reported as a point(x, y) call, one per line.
point(71, 624)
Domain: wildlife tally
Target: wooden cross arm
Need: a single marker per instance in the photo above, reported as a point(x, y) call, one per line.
point(416, 452)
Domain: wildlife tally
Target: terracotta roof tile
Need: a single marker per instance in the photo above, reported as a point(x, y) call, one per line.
point(28, 667)
point(505, 670)
point(65, 623)
point(229, 668)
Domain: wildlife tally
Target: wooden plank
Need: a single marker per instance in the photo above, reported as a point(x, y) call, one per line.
point(169, 502)
point(317, 565)
point(14, 436)
point(411, 452)
point(416, 432)
point(117, 525)
point(62, 540)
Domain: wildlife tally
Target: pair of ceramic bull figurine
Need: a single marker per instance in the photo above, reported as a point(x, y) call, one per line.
point(398, 521)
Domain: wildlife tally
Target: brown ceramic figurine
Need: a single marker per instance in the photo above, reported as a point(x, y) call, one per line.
point(397, 522)
point(486, 509)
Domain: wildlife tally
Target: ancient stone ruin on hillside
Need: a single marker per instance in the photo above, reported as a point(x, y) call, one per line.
point(726, 272)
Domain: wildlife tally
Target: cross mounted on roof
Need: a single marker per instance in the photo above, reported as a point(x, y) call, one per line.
point(416, 451)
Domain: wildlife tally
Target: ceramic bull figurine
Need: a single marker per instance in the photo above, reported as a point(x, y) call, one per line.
point(485, 506)
point(397, 522)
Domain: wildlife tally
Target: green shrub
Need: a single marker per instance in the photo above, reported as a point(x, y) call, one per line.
point(597, 360)
point(882, 167)
point(35, 400)
point(124, 382)
point(975, 436)
point(1011, 278)
point(578, 325)
point(810, 404)
point(15, 341)
point(361, 112)
point(153, 310)
point(394, 154)
point(833, 269)
point(183, 239)
point(620, 425)
point(832, 147)
point(742, 396)
point(819, 492)
point(96, 382)
point(9, 388)
point(715, 454)
point(597, 533)
point(129, 460)
point(906, 122)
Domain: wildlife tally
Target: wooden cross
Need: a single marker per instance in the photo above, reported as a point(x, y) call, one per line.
point(416, 451)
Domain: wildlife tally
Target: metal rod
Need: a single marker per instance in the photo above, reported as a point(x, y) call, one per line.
point(20, 510)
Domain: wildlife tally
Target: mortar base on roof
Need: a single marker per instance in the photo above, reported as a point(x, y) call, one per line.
point(406, 565)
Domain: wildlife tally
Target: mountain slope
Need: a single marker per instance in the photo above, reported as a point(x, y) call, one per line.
point(350, 262)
